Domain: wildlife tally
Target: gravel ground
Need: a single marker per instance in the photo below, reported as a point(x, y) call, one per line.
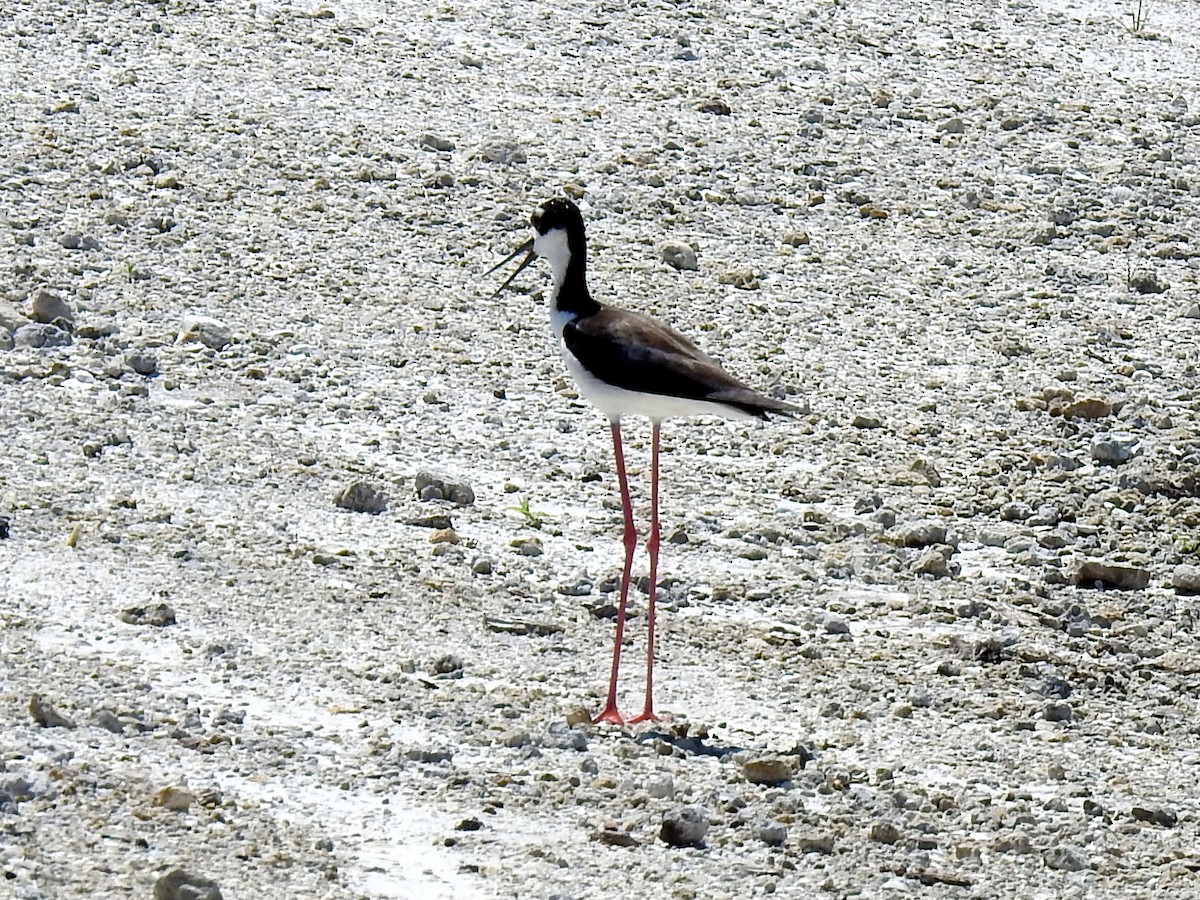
point(936, 636)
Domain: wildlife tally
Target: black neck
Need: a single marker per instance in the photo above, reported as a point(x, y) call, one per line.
point(573, 294)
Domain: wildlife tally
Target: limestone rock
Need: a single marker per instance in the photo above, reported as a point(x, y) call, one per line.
point(1111, 575)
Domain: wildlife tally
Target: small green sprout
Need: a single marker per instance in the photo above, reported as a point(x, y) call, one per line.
point(532, 517)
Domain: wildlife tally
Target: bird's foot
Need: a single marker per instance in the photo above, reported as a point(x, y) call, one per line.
point(648, 715)
point(610, 715)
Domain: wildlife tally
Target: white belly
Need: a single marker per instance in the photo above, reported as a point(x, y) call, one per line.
point(616, 402)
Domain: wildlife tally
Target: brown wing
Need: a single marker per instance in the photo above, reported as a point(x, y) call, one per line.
point(638, 353)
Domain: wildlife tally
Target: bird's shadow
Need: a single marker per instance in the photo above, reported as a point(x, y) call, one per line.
point(696, 746)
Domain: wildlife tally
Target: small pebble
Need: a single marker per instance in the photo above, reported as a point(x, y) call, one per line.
point(679, 256)
point(580, 587)
point(447, 664)
point(773, 834)
point(1065, 859)
point(444, 536)
point(835, 624)
point(529, 546)
point(1111, 575)
point(515, 739)
point(159, 616)
point(1147, 283)
point(502, 152)
point(1087, 408)
point(578, 716)
point(768, 770)
point(815, 843)
point(884, 833)
point(426, 755)
point(1113, 449)
point(46, 307)
point(38, 335)
point(181, 885)
point(1162, 816)
point(142, 362)
point(176, 799)
point(437, 143)
point(921, 534)
point(615, 837)
point(714, 107)
point(934, 561)
point(928, 471)
point(660, 786)
point(1058, 712)
point(1185, 579)
point(42, 712)
point(75, 241)
point(684, 827)
point(436, 521)
point(361, 497)
point(921, 697)
point(210, 332)
point(432, 487)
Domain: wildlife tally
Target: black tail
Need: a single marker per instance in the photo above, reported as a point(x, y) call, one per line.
point(754, 403)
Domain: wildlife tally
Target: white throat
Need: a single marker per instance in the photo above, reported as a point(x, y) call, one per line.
point(553, 247)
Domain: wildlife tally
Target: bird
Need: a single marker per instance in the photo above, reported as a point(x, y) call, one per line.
point(626, 363)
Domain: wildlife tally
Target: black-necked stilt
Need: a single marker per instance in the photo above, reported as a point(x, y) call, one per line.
point(626, 364)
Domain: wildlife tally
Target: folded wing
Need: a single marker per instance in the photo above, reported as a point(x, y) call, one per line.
point(637, 353)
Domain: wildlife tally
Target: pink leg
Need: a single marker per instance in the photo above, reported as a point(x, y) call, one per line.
point(647, 714)
point(609, 713)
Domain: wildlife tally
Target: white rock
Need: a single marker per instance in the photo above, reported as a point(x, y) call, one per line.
point(679, 255)
point(205, 330)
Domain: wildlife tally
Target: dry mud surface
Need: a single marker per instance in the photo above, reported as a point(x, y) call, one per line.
point(935, 637)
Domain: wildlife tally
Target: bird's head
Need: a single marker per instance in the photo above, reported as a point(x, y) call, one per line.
point(558, 236)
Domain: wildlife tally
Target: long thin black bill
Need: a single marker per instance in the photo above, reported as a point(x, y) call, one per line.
point(526, 247)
